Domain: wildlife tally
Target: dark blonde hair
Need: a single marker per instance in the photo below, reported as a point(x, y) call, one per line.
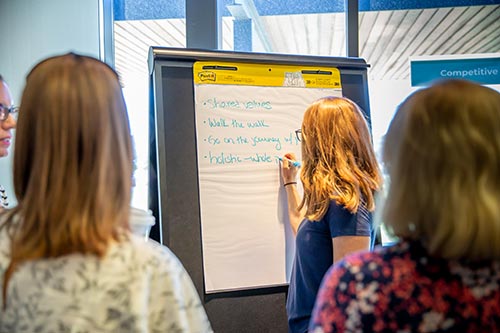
point(72, 162)
point(442, 153)
point(339, 162)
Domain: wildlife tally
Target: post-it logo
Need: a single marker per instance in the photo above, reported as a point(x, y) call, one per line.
point(206, 76)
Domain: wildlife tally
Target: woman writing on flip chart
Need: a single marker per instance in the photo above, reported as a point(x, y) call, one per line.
point(340, 176)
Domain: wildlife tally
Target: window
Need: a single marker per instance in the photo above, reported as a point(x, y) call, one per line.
point(288, 27)
point(137, 27)
point(390, 35)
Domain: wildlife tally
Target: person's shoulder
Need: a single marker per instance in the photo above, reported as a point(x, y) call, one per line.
point(338, 213)
point(378, 264)
point(149, 255)
point(153, 249)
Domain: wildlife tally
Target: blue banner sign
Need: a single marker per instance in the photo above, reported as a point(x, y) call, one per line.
point(480, 70)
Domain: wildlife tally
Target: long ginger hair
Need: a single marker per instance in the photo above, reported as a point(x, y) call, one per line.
point(339, 161)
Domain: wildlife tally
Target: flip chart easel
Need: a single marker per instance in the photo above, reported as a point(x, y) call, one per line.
point(177, 186)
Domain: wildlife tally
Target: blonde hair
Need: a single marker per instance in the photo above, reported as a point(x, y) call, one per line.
point(72, 162)
point(442, 153)
point(339, 162)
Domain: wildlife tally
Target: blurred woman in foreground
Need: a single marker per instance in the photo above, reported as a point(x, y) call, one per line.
point(68, 262)
point(442, 154)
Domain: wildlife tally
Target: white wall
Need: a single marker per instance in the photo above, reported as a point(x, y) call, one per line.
point(31, 30)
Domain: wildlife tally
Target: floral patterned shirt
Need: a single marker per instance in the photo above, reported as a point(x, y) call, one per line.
point(138, 287)
point(403, 289)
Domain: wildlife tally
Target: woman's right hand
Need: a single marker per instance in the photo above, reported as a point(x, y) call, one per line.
point(288, 170)
point(289, 174)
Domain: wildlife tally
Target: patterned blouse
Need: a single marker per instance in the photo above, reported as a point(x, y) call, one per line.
point(402, 289)
point(138, 287)
point(4, 202)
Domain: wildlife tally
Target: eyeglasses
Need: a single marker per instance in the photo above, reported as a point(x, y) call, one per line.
point(298, 134)
point(6, 111)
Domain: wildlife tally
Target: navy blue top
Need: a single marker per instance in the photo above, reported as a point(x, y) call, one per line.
point(314, 256)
